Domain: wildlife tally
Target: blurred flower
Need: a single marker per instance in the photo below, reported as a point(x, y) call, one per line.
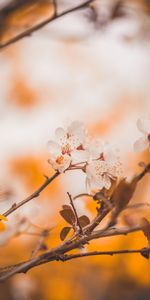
point(102, 170)
point(68, 147)
point(23, 287)
point(144, 142)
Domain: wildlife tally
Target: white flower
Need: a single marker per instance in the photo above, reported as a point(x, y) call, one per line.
point(143, 142)
point(100, 172)
point(68, 147)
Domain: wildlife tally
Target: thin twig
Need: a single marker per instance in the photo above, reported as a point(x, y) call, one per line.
point(75, 212)
point(32, 196)
point(29, 31)
point(82, 195)
point(111, 253)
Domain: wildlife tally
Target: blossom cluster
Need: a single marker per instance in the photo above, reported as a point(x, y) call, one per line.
point(73, 149)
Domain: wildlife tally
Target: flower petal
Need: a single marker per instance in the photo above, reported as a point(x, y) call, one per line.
point(79, 156)
point(106, 182)
point(61, 135)
point(75, 126)
point(144, 125)
point(141, 144)
point(54, 148)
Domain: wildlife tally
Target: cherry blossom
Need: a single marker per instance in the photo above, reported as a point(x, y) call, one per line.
point(69, 147)
point(101, 171)
point(143, 142)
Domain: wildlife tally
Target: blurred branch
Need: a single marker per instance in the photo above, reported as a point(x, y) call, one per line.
point(34, 195)
point(78, 241)
point(56, 16)
point(59, 253)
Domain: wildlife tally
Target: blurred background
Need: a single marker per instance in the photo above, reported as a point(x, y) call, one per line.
point(91, 65)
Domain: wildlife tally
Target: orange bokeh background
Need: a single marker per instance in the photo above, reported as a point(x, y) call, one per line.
point(64, 72)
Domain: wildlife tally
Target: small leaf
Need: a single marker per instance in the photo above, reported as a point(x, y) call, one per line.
point(121, 197)
point(66, 207)
point(68, 215)
point(145, 253)
point(84, 221)
point(64, 233)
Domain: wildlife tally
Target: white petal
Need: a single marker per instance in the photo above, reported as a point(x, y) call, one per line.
point(95, 148)
point(141, 144)
point(99, 183)
point(54, 148)
point(106, 181)
point(90, 170)
point(110, 156)
point(88, 185)
point(61, 135)
point(77, 134)
point(75, 126)
point(79, 156)
point(144, 125)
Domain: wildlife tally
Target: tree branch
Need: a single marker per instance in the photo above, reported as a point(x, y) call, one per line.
point(75, 212)
point(59, 253)
point(35, 28)
point(111, 253)
point(76, 242)
point(34, 195)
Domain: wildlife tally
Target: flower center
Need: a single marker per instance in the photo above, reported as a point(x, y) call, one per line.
point(60, 160)
point(66, 149)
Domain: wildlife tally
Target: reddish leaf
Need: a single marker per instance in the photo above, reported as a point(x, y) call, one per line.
point(121, 197)
point(84, 221)
point(66, 207)
point(68, 215)
point(145, 253)
point(146, 228)
point(64, 233)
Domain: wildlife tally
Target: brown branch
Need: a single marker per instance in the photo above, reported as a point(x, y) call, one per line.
point(32, 196)
point(111, 253)
point(28, 32)
point(100, 216)
point(75, 212)
point(59, 252)
point(143, 173)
